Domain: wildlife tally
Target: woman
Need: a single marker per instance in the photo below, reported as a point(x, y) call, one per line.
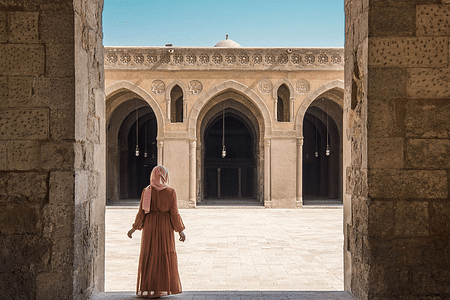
point(158, 217)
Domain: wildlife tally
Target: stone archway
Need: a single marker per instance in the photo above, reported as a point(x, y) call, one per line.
point(240, 108)
point(124, 100)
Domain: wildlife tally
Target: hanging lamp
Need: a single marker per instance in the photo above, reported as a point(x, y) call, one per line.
point(327, 150)
point(224, 150)
point(137, 132)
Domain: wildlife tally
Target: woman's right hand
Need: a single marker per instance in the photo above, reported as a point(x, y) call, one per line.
point(130, 232)
point(182, 236)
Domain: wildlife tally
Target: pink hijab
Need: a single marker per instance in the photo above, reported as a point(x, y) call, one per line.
point(158, 180)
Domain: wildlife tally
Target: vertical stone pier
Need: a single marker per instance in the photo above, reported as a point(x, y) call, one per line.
point(52, 171)
point(396, 118)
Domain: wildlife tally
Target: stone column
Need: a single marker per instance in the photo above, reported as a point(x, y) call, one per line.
point(160, 152)
point(267, 177)
point(299, 200)
point(192, 173)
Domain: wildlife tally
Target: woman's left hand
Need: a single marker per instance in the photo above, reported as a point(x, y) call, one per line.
point(130, 232)
point(182, 236)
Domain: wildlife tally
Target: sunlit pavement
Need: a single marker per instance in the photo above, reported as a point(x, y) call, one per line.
point(247, 253)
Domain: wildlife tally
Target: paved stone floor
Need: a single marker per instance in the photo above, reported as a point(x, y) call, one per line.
point(246, 253)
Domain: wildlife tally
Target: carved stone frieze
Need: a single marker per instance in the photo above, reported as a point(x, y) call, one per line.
point(152, 58)
point(322, 58)
point(111, 58)
point(230, 58)
point(223, 58)
point(138, 58)
point(309, 58)
point(191, 59)
point(244, 59)
point(125, 58)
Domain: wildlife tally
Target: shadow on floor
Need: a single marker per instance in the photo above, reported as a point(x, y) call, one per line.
point(239, 295)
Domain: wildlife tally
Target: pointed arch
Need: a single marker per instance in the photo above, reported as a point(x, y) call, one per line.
point(169, 104)
point(290, 108)
point(122, 86)
point(219, 88)
point(280, 83)
point(334, 84)
point(172, 85)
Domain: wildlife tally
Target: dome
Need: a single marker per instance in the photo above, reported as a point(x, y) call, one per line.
point(227, 43)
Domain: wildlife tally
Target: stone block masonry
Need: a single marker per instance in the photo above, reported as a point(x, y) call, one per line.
point(42, 175)
point(398, 81)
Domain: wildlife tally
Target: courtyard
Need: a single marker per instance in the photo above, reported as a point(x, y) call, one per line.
point(239, 253)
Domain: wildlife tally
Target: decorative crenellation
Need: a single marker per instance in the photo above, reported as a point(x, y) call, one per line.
point(223, 58)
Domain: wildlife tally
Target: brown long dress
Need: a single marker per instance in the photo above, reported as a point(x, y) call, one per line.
point(158, 266)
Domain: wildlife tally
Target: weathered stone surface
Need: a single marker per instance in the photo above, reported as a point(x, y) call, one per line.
point(19, 91)
point(432, 20)
point(55, 28)
point(30, 187)
point(22, 155)
point(3, 33)
point(408, 52)
point(18, 219)
point(3, 91)
point(428, 280)
point(58, 221)
point(62, 253)
point(61, 188)
point(428, 82)
point(408, 184)
point(59, 118)
point(23, 27)
point(411, 218)
point(386, 117)
point(22, 59)
point(17, 285)
point(385, 21)
point(427, 119)
point(381, 218)
point(440, 219)
point(57, 155)
point(387, 83)
point(24, 124)
point(23, 250)
point(428, 153)
point(54, 92)
point(46, 283)
point(3, 156)
point(58, 60)
point(385, 153)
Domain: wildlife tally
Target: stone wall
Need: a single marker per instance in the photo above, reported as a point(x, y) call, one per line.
point(44, 158)
point(397, 116)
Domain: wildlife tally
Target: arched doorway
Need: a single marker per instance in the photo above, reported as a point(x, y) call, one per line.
point(238, 175)
point(322, 151)
point(232, 176)
point(132, 150)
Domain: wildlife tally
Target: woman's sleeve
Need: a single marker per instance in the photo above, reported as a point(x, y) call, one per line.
point(140, 216)
point(175, 217)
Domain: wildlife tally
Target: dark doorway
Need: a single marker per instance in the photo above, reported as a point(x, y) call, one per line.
point(321, 178)
point(136, 163)
point(232, 176)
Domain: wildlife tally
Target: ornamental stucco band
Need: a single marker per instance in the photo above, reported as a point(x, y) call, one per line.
point(167, 58)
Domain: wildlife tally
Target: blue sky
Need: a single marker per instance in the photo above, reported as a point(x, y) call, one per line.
point(201, 23)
